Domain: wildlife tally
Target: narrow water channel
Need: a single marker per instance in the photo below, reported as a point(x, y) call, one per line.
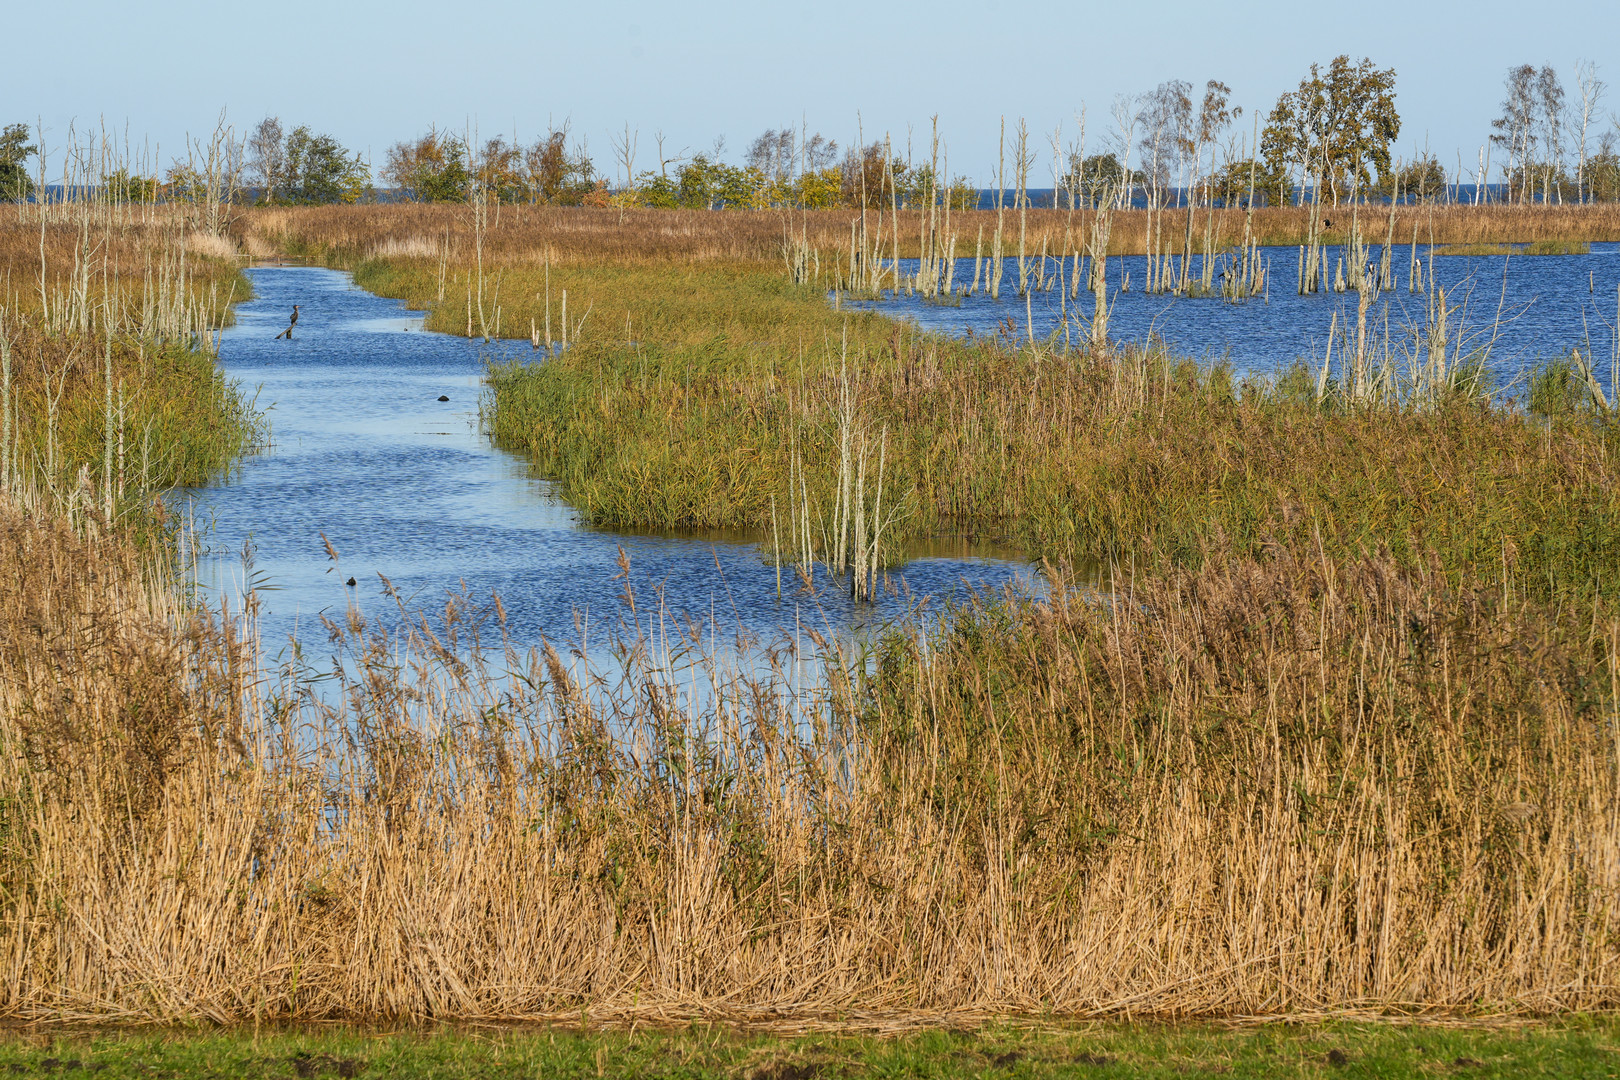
point(407, 488)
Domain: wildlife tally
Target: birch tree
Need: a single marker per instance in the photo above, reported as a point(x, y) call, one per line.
point(1591, 89)
point(1515, 129)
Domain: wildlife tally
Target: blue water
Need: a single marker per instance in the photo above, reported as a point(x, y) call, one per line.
point(407, 488)
point(1455, 194)
point(1546, 305)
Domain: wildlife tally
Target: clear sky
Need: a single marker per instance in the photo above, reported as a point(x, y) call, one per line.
point(372, 73)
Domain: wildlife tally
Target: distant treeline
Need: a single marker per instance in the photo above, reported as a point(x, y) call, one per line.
point(1333, 138)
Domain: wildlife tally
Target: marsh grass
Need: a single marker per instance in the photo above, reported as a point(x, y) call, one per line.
point(1129, 456)
point(175, 419)
point(1538, 247)
point(700, 388)
point(1271, 787)
point(1338, 735)
point(342, 236)
point(108, 330)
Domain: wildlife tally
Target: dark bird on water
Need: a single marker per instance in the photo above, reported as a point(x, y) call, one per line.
point(287, 333)
point(444, 397)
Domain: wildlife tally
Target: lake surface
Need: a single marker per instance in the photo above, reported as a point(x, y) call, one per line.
point(1547, 303)
point(407, 487)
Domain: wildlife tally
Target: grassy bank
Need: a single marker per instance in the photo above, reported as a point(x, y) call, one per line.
point(1539, 247)
point(108, 387)
point(1130, 456)
point(171, 417)
point(1272, 1051)
point(347, 235)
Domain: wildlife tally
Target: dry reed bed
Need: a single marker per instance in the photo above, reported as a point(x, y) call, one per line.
point(1272, 787)
point(520, 235)
point(84, 251)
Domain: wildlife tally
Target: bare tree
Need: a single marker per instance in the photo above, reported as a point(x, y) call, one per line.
point(267, 157)
point(215, 171)
point(666, 160)
point(1126, 117)
point(1074, 177)
point(1591, 91)
point(1214, 117)
point(1166, 141)
point(772, 153)
point(1550, 92)
point(818, 152)
point(624, 152)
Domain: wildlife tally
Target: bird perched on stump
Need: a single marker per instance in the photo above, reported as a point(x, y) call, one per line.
point(287, 333)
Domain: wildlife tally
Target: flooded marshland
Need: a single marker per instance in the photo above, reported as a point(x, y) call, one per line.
point(418, 504)
point(1524, 310)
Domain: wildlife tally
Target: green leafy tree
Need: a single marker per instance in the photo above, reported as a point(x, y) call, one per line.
point(871, 174)
point(1272, 186)
point(704, 183)
point(15, 150)
point(1337, 127)
point(1092, 179)
point(1603, 172)
point(698, 183)
point(499, 171)
point(431, 169)
point(125, 187)
point(320, 170)
point(182, 183)
point(744, 188)
point(819, 189)
point(1423, 180)
point(552, 174)
point(657, 190)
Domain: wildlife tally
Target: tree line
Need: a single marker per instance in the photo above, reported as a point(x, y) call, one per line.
point(1334, 137)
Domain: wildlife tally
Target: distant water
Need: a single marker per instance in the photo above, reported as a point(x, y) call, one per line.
point(1537, 307)
point(1455, 194)
point(408, 488)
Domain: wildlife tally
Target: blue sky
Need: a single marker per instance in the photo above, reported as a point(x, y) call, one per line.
point(373, 73)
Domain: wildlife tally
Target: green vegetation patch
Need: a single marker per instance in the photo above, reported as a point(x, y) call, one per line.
point(175, 418)
point(714, 397)
point(1537, 247)
point(1576, 1048)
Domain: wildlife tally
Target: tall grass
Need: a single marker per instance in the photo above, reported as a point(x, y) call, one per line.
point(108, 331)
point(1273, 786)
point(1122, 455)
point(342, 235)
point(175, 419)
point(1335, 736)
